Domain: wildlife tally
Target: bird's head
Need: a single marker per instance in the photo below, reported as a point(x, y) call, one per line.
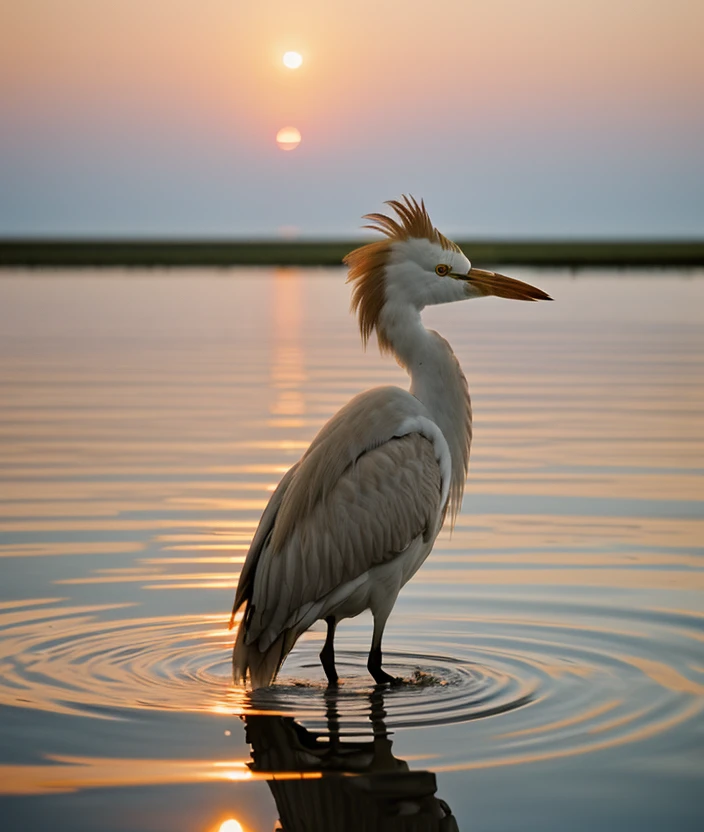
point(417, 266)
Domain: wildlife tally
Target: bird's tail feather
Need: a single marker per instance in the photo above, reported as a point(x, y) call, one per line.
point(261, 666)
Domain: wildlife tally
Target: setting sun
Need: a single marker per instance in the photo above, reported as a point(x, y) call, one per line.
point(288, 138)
point(292, 60)
point(230, 825)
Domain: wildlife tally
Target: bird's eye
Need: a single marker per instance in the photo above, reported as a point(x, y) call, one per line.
point(442, 270)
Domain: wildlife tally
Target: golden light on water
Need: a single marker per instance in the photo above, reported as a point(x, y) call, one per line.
point(287, 371)
point(59, 773)
point(288, 138)
point(549, 516)
point(292, 60)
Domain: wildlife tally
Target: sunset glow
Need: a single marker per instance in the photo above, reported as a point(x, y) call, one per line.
point(292, 60)
point(230, 825)
point(593, 127)
point(288, 138)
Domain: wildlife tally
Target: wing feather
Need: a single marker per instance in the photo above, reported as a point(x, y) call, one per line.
point(379, 504)
point(367, 421)
point(259, 541)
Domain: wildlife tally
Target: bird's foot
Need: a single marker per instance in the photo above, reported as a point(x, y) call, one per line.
point(381, 677)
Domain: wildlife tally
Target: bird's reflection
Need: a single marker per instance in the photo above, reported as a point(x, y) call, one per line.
point(383, 796)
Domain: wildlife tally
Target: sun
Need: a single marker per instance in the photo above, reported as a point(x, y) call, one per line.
point(231, 825)
point(292, 59)
point(288, 138)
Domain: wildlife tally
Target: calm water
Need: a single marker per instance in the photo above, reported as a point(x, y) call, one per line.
point(554, 642)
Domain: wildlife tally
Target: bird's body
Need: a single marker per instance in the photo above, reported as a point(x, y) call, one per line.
point(357, 516)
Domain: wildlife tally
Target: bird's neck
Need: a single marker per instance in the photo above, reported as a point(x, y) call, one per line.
point(438, 382)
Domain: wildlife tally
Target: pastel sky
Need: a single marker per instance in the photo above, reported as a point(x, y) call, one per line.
point(512, 118)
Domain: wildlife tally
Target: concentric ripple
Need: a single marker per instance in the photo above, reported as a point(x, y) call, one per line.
point(77, 660)
point(435, 689)
point(534, 688)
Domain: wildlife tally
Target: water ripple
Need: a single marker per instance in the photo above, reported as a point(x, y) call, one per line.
point(532, 688)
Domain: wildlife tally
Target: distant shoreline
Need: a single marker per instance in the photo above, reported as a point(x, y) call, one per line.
point(45, 253)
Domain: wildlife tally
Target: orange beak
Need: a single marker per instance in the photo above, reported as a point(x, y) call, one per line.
point(491, 283)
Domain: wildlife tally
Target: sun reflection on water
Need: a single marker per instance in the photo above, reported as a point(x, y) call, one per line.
point(230, 825)
point(288, 368)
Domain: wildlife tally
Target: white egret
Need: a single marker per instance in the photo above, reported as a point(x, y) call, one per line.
point(354, 519)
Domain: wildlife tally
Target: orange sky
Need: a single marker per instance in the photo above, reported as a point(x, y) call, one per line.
point(539, 116)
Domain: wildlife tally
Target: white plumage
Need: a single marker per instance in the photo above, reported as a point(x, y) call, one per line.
point(356, 517)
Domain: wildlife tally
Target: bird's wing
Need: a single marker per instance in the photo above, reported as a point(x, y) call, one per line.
point(364, 423)
point(374, 479)
point(266, 524)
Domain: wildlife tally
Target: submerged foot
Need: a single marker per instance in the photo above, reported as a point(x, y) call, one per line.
point(381, 677)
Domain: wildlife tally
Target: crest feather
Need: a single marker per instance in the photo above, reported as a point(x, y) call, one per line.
point(367, 263)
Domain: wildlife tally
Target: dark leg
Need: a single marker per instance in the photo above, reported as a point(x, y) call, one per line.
point(327, 654)
point(381, 677)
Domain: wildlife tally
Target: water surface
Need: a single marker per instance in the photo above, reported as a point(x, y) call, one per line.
point(553, 643)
